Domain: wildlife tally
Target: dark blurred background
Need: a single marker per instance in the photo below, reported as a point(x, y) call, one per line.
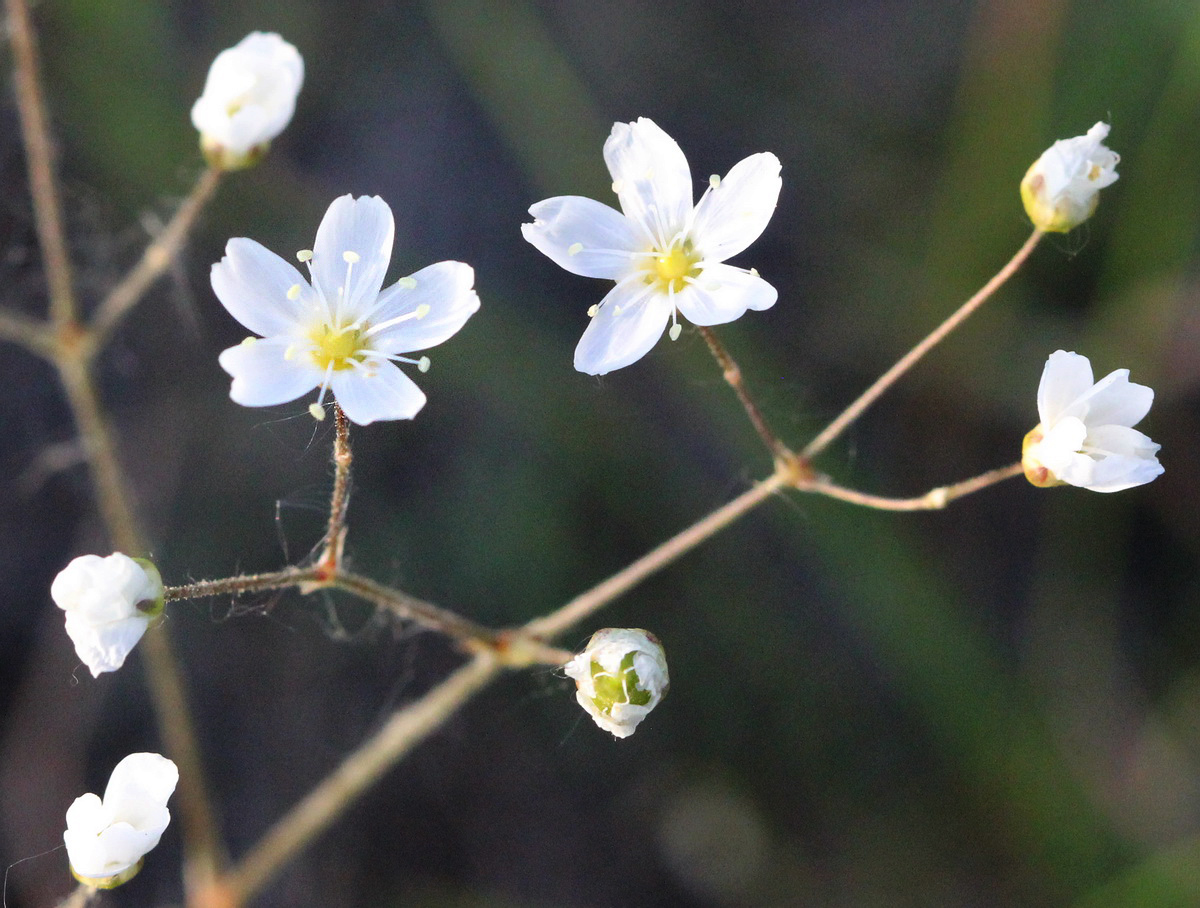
point(992, 705)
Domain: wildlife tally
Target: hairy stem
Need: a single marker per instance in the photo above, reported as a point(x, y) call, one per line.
point(339, 503)
point(39, 162)
point(246, 583)
point(407, 727)
point(932, 500)
point(913, 356)
point(154, 261)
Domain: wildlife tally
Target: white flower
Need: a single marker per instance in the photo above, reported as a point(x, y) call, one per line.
point(340, 333)
point(109, 604)
point(1062, 187)
point(619, 678)
point(107, 839)
point(1086, 436)
point(249, 97)
point(664, 254)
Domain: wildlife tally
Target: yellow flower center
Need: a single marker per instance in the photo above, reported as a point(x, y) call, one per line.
point(335, 347)
point(674, 267)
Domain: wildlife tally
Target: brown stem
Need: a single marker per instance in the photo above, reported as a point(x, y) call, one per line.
point(407, 728)
point(157, 257)
point(247, 583)
point(913, 356)
point(932, 500)
point(39, 161)
point(733, 375)
point(339, 503)
point(656, 559)
point(29, 333)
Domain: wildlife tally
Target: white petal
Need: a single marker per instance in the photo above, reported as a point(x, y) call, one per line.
point(363, 227)
point(383, 393)
point(1061, 446)
point(264, 374)
point(446, 288)
point(104, 647)
point(585, 236)
point(1065, 378)
point(1124, 458)
point(139, 782)
point(721, 293)
point(253, 284)
point(628, 323)
point(651, 178)
point(732, 216)
point(1117, 401)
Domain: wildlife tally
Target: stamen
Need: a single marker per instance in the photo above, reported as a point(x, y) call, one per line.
point(249, 341)
point(304, 255)
point(676, 330)
point(316, 411)
point(715, 180)
point(408, 283)
point(575, 249)
point(617, 186)
point(350, 257)
point(423, 364)
point(754, 272)
point(592, 310)
point(293, 291)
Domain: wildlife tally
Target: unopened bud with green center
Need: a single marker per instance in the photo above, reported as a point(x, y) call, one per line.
point(620, 677)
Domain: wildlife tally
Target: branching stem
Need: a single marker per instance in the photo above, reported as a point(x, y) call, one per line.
point(933, 500)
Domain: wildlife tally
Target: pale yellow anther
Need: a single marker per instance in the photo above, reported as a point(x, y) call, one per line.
point(754, 272)
point(618, 185)
point(293, 291)
point(249, 341)
point(350, 257)
point(422, 311)
point(715, 180)
point(316, 411)
point(304, 255)
point(676, 330)
point(575, 249)
point(423, 364)
point(289, 352)
point(408, 283)
point(592, 310)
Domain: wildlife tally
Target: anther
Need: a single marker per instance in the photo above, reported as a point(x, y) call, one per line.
point(423, 364)
point(304, 255)
point(754, 272)
point(351, 258)
point(575, 249)
point(316, 411)
point(289, 352)
point(715, 180)
point(408, 283)
point(293, 291)
point(618, 185)
point(676, 330)
point(593, 309)
point(250, 341)
point(422, 311)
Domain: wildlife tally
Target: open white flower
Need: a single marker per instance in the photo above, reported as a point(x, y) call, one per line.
point(340, 333)
point(1062, 187)
point(109, 604)
point(249, 97)
point(665, 255)
point(1086, 436)
point(620, 677)
point(107, 839)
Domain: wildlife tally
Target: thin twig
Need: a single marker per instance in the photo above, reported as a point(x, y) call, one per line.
point(913, 356)
point(39, 161)
point(655, 560)
point(339, 503)
point(247, 583)
point(733, 375)
point(34, 336)
point(157, 257)
point(932, 500)
point(358, 772)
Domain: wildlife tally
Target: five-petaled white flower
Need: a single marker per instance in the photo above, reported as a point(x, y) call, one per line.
point(665, 255)
point(619, 678)
point(109, 604)
point(107, 839)
point(1086, 436)
point(340, 332)
point(249, 97)
point(1062, 188)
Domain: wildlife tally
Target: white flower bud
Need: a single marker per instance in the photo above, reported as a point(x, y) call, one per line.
point(620, 677)
point(107, 839)
point(109, 604)
point(1086, 436)
point(248, 99)
point(1062, 188)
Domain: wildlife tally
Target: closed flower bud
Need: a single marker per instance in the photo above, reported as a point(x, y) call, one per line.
point(107, 839)
point(1062, 188)
point(249, 97)
point(109, 604)
point(620, 677)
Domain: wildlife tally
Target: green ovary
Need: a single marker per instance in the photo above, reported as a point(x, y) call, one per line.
point(623, 687)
